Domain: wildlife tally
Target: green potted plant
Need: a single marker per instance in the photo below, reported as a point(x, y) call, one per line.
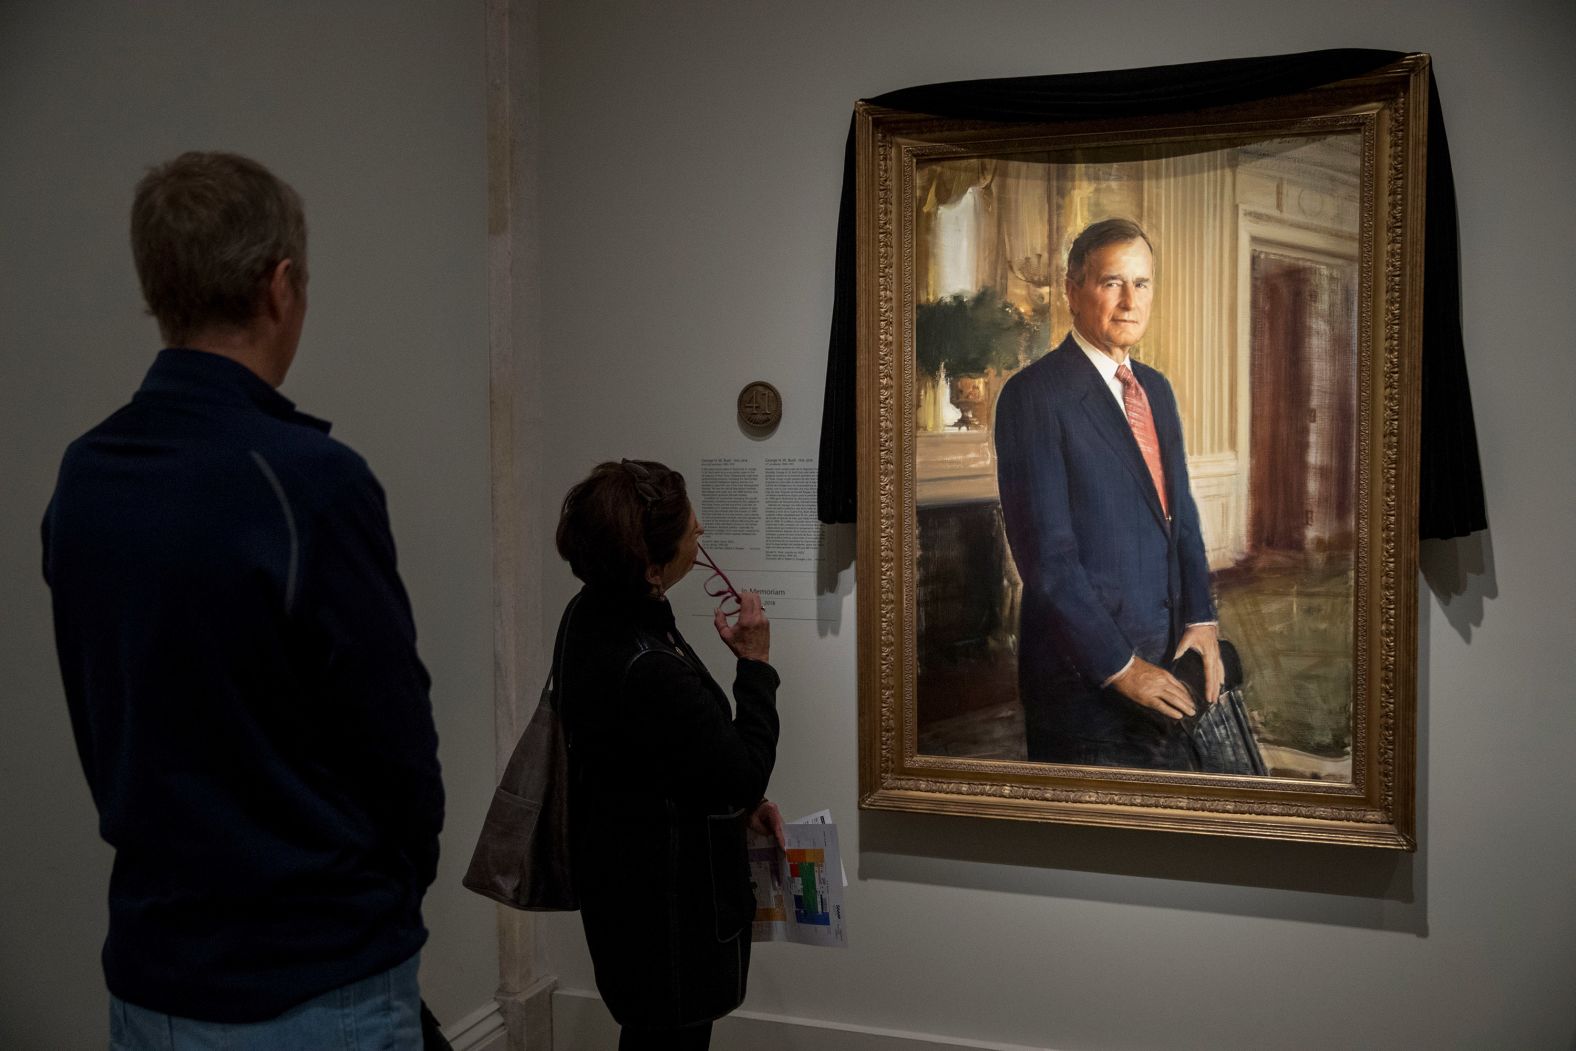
point(968, 338)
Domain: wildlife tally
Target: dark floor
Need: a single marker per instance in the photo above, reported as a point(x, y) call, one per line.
point(1290, 618)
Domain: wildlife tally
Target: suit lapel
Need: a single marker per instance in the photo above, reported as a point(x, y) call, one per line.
point(1110, 422)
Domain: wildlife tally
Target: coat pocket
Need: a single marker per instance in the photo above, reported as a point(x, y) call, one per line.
point(733, 901)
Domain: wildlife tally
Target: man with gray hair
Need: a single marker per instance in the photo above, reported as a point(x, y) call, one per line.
point(239, 660)
point(1103, 529)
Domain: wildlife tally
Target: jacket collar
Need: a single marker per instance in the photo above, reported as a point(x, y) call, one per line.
point(654, 614)
point(644, 612)
point(197, 375)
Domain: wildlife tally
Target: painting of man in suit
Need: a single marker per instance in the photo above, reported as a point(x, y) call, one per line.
point(1102, 526)
point(1048, 546)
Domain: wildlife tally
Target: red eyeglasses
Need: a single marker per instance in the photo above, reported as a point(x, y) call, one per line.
point(718, 586)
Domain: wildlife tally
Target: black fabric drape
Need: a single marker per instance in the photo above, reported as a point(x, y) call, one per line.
point(1451, 485)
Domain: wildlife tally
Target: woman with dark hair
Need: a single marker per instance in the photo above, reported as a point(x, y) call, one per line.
point(665, 778)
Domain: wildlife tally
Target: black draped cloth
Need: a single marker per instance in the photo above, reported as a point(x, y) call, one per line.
point(1451, 484)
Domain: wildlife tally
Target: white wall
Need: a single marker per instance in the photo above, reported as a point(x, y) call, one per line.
point(375, 112)
point(689, 185)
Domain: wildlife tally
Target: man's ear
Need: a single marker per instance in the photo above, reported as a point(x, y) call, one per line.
point(281, 292)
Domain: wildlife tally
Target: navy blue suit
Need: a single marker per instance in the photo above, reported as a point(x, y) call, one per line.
point(1104, 574)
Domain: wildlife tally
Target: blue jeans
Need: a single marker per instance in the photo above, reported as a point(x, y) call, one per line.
point(380, 1013)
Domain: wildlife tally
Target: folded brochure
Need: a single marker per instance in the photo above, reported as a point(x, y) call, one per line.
point(799, 891)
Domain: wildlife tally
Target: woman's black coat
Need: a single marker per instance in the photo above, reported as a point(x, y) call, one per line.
point(663, 778)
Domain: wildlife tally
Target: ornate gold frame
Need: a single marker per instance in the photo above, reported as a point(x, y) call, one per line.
point(1376, 808)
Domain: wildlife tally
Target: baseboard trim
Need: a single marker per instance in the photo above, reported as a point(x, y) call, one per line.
point(581, 1023)
point(481, 1030)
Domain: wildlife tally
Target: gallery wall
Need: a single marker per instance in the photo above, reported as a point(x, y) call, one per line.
point(689, 183)
point(375, 112)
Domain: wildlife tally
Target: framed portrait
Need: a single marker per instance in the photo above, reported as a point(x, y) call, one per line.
point(1138, 455)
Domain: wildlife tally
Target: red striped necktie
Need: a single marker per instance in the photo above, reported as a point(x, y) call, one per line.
point(1142, 421)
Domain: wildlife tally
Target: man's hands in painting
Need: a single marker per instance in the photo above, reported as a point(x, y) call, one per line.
point(1154, 688)
point(1205, 638)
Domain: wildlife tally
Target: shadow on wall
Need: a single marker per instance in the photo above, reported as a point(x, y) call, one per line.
point(1460, 573)
point(833, 583)
point(1307, 882)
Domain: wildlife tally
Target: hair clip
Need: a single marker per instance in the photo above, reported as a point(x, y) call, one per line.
point(643, 484)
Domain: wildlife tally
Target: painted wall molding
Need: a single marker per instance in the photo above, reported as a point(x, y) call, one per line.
point(481, 1030)
point(580, 1020)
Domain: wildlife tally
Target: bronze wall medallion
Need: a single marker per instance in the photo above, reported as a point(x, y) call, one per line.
point(760, 409)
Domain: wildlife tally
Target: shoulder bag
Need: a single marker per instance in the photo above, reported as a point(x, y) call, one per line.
point(522, 858)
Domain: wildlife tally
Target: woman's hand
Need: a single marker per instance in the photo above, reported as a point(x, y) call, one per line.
point(766, 821)
point(750, 636)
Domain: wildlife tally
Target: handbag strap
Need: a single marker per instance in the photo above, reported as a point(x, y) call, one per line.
point(555, 676)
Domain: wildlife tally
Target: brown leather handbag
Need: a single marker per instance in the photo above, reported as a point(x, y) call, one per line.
point(522, 858)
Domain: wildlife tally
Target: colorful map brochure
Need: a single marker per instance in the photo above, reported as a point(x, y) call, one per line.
point(799, 891)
